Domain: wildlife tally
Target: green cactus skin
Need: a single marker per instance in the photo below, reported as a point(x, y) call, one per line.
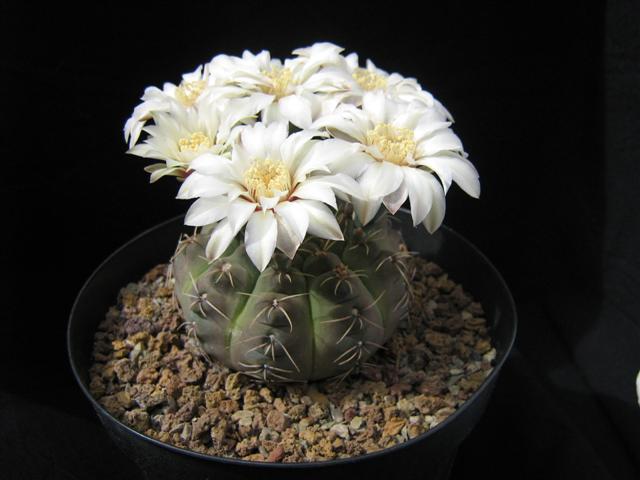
point(321, 314)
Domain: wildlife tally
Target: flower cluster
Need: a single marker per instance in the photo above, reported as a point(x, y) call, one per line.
point(267, 146)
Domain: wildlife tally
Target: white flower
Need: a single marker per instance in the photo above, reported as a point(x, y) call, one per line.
point(276, 184)
point(179, 135)
point(401, 145)
point(297, 85)
point(371, 79)
point(191, 92)
point(391, 142)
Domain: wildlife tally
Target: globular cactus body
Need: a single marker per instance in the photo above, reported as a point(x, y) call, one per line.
point(318, 315)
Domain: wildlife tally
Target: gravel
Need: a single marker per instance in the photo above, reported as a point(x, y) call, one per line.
point(150, 374)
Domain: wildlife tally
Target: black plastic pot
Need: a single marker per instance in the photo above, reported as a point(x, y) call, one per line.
point(429, 456)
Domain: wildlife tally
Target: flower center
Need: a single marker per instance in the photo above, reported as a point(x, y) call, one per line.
point(369, 80)
point(394, 143)
point(280, 80)
point(188, 92)
point(266, 178)
point(194, 142)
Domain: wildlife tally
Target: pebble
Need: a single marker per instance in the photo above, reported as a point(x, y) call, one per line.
point(490, 356)
point(135, 353)
point(318, 397)
point(341, 430)
point(296, 412)
point(303, 424)
point(279, 405)
point(277, 454)
point(268, 434)
point(276, 420)
point(266, 395)
point(414, 420)
point(405, 405)
point(356, 423)
point(316, 412)
point(185, 435)
point(336, 413)
point(124, 370)
point(393, 427)
point(243, 417)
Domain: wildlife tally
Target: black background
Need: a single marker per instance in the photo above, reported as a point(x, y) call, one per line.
point(546, 101)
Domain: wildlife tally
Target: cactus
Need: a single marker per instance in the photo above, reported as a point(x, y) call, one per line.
point(321, 314)
point(268, 146)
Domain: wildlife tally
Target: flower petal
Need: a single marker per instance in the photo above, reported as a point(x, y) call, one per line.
point(198, 185)
point(322, 53)
point(210, 164)
point(342, 156)
point(418, 184)
point(263, 141)
point(322, 221)
point(339, 181)
point(374, 104)
point(239, 212)
point(260, 238)
point(159, 170)
point(242, 109)
point(206, 211)
point(366, 209)
point(435, 216)
point(456, 168)
point(380, 179)
point(297, 110)
point(272, 114)
point(145, 150)
point(293, 222)
point(442, 140)
point(394, 200)
point(277, 133)
point(219, 240)
point(267, 203)
point(252, 139)
point(347, 119)
point(132, 130)
point(430, 121)
point(309, 163)
point(286, 242)
point(295, 148)
point(294, 216)
point(319, 191)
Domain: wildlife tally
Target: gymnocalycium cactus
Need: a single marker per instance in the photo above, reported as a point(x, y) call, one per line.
point(320, 314)
point(283, 281)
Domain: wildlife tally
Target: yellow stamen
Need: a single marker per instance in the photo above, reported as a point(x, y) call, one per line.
point(394, 143)
point(280, 79)
point(188, 92)
point(267, 178)
point(369, 80)
point(195, 142)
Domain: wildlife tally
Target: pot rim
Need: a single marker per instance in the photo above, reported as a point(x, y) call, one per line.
point(301, 465)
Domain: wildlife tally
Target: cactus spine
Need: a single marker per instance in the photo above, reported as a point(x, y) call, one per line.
point(318, 315)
